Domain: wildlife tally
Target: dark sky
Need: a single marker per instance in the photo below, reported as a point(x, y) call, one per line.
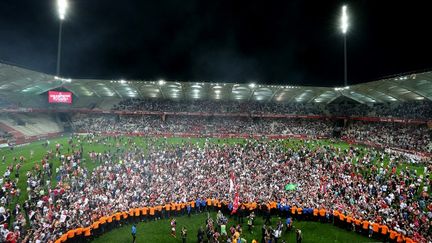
point(286, 42)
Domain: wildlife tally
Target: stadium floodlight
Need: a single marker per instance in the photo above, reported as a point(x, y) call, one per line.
point(161, 82)
point(62, 6)
point(66, 80)
point(344, 20)
point(341, 88)
point(344, 27)
point(252, 85)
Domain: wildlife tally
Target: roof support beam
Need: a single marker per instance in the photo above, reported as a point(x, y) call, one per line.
point(296, 94)
point(68, 88)
point(137, 89)
point(333, 99)
point(94, 92)
point(251, 95)
point(47, 89)
point(390, 95)
point(115, 91)
point(352, 97)
point(274, 94)
point(380, 89)
point(60, 86)
point(232, 92)
point(14, 84)
point(318, 92)
point(73, 91)
point(161, 91)
point(420, 93)
point(365, 93)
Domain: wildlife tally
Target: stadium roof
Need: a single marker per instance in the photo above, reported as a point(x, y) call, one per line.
point(19, 81)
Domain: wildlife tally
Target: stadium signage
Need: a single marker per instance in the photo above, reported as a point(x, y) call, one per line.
point(59, 97)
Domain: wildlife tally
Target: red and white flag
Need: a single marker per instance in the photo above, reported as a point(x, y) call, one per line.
point(231, 181)
point(235, 203)
point(323, 185)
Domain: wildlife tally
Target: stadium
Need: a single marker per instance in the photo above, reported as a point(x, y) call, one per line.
point(121, 160)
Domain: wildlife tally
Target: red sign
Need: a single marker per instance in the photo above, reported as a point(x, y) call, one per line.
point(59, 97)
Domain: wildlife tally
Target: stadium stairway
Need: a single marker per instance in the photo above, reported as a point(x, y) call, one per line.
point(15, 133)
point(35, 126)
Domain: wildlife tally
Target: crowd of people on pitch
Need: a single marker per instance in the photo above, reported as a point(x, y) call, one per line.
point(161, 179)
point(201, 125)
point(408, 137)
point(408, 110)
point(396, 135)
point(10, 231)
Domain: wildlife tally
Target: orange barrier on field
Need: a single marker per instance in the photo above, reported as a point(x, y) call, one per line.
point(321, 212)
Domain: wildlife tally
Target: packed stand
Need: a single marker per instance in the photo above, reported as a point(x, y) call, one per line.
point(5, 104)
point(218, 107)
point(129, 177)
point(393, 135)
point(201, 125)
point(408, 110)
point(408, 137)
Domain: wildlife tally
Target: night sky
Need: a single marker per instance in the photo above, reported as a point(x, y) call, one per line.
point(277, 42)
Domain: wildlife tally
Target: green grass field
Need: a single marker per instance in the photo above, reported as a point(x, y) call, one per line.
point(158, 231)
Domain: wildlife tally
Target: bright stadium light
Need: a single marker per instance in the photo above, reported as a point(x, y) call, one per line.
point(344, 27)
point(161, 82)
point(66, 80)
point(62, 6)
point(341, 88)
point(344, 20)
point(252, 85)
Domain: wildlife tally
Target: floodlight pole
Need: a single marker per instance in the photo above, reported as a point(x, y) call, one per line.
point(59, 48)
point(62, 6)
point(345, 63)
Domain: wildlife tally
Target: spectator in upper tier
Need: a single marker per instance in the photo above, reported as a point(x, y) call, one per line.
point(409, 110)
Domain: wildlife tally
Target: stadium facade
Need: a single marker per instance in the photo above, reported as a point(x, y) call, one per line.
point(28, 112)
point(17, 82)
point(392, 114)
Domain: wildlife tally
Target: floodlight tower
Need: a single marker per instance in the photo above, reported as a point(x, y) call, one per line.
point(62, 6)
point(344, 28)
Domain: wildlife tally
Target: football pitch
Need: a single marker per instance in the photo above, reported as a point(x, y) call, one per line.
point(159, 230)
